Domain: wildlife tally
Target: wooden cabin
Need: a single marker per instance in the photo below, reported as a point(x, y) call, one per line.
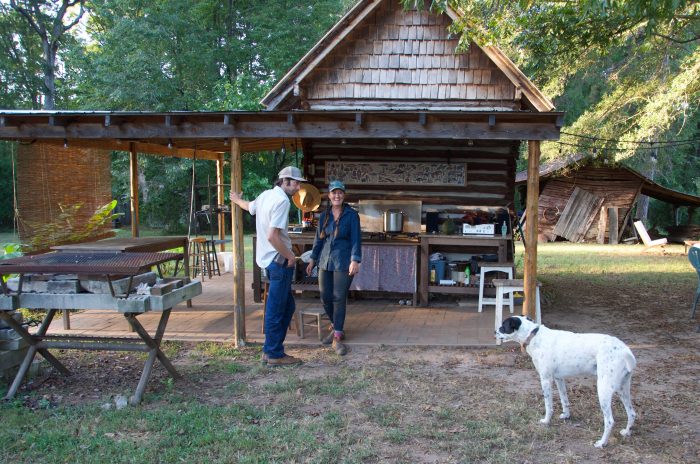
point(384, 102)
point(584, 199)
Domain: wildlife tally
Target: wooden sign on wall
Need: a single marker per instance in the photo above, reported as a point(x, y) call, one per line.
point(390, 173)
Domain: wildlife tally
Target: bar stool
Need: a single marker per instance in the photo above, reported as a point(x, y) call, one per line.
point(200, 257)
point(504, 286)
point(213, 260)
point(486, 267)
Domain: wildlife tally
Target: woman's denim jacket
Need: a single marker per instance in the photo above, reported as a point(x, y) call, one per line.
point(334, 253)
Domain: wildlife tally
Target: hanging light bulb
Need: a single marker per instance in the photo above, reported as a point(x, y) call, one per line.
point(170, 144)
point(65, 143)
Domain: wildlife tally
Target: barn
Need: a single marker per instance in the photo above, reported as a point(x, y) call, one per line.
point(586, 199)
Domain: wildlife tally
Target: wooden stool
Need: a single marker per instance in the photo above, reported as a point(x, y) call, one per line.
point(203, 257)
point(212, 259)
point(294, 323)
point(504, 286)
point(485, 268)
point(317, 313)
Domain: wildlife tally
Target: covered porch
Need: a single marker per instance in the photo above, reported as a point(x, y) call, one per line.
point(369, 321)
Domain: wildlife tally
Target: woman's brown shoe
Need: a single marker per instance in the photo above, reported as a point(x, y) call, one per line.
point(340, 348)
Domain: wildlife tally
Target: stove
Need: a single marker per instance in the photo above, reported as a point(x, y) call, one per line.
point(384, 236)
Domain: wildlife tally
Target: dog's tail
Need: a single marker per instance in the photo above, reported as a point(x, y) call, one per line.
point(630, 361)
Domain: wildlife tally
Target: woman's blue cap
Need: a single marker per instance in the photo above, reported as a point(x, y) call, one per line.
point(335, 185)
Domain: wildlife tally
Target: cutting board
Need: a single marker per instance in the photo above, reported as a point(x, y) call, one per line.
point(372, 211)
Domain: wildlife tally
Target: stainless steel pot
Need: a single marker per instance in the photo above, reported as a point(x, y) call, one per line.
point(393, 220)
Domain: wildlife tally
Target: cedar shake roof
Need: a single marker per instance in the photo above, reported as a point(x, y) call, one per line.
point(380, 56)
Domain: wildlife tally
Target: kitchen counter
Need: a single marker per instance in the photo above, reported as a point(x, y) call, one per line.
point(381, 256)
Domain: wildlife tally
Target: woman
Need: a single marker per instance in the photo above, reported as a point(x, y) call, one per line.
point(338, 251)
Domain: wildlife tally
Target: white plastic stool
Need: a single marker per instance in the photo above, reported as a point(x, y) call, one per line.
point(493, 267)
point(227, 260)
point(504, 286)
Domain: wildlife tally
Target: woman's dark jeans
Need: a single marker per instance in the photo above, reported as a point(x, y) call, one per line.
point(334, 286)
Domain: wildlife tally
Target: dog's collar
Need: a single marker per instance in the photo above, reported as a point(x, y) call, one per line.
point(529, 338)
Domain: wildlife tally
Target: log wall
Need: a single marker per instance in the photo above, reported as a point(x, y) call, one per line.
point(490, 170)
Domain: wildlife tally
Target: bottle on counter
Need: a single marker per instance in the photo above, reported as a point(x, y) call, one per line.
point(504, 229)
point(467, 274)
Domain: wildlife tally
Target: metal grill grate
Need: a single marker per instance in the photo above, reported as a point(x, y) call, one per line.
point(88, 263)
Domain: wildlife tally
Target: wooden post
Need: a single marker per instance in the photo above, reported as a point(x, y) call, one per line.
point(237, 248)
point(533, 195)
point(613, 213)
point(220, 199)
point(603, 224)
point(134, 189)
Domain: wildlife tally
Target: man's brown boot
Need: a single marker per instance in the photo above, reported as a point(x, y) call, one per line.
point(286, 360)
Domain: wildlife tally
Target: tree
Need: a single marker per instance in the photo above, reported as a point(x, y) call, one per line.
point(20, 62)
point(46, 19)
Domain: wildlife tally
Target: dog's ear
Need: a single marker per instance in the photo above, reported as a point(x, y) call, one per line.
point(510, 325)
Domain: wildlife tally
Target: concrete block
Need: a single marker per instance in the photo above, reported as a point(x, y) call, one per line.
point(16, 315)
point(39, 283)
point(120, 285)
point(10, 361)
point(63, 286)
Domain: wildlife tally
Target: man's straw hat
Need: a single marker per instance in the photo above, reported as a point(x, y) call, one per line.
point(308, 198)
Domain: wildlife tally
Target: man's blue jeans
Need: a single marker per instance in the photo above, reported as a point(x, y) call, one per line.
point(279, 308)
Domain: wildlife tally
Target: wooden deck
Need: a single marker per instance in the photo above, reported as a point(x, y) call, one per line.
point(369, 322)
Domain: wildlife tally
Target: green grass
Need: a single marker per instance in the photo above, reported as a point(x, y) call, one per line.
point(632, 264)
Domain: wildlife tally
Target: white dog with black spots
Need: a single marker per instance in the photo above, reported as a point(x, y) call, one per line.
point(558, 354)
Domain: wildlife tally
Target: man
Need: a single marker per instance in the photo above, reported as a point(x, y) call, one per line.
point(274, 254)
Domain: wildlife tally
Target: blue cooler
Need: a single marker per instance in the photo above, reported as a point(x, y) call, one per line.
point(439, 267)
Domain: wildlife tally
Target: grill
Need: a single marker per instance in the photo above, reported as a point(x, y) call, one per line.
point(88, 263)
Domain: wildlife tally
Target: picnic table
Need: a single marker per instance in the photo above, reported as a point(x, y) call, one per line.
point(106, 265)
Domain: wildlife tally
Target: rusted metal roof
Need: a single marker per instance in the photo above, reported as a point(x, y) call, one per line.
point(649, 187)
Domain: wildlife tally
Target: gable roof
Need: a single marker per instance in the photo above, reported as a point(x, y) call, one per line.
point(649, 187)
point(443, 74)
